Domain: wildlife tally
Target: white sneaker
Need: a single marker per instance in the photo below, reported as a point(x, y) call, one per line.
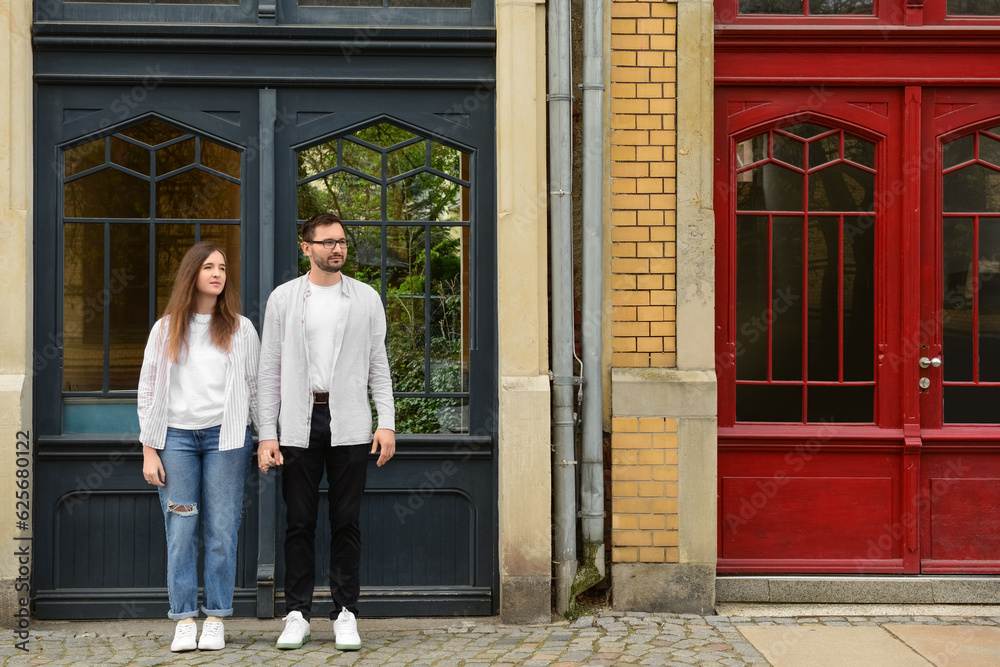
point(345, 631)
point(296, 631)
point(213, 636)
point(184, 635)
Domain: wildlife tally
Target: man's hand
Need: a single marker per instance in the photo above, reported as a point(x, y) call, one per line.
point(268, 455)
point(386, 440)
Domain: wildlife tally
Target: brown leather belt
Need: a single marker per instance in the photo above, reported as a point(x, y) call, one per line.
point(321, 397)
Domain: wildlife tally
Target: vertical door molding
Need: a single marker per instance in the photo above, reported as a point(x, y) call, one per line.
point(266, 490)
point(910, 314)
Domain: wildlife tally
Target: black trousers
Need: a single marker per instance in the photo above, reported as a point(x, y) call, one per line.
point(346, 469)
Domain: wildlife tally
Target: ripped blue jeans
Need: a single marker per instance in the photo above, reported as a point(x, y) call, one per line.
point(204, 488)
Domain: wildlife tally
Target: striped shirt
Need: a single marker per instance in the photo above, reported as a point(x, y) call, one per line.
point(241, 387)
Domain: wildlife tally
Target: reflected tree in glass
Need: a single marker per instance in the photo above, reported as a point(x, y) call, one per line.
point(385, 173)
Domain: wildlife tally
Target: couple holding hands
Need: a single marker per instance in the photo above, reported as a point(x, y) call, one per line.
point(206, 377)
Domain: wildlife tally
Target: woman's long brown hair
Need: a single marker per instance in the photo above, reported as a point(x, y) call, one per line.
point(225, 320)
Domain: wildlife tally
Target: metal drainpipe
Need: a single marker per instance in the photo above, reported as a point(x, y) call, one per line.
point(560, 102)
point(591, 569)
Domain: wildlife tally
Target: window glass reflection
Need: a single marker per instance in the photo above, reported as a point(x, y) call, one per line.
point(219, 158)
point(974, 7)
point(128, 293)
point(786, 298)
point(84, 157)
point(153, 132)
point(989, 150)
point(770, 6)
point(788, 150)
point(108, 193)
point(972, 188)
point(404, 303)
point(347, 195)
point(824, 299)
point(769, 187)
point(989, 300)
point(858, 294)
point(958, 298)
point(226, 237)
point(425, 197)
point(835, 261)
point(752, 297)
point(446, 4)
point(406, 159)
point(958, 151)
point(382, 174)
point(175, 156)
point(172, 241)
point(841, 6)
point(83, 306)
point(130, 155)
point(751, 151)
point(197, 194)
point(118, 274)
point(842, 187)
point(449, 309)
point(354, 155)
point(859, 151)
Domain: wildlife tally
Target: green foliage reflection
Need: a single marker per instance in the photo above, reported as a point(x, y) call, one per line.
point(425, 303)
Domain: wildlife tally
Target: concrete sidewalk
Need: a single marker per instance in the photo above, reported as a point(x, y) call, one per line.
point(786, 636)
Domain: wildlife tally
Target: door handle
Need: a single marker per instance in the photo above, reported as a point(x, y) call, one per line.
point(926, 363)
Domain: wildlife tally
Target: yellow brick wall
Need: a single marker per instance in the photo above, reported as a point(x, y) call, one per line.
point(643, 192)
point(643, 335)
point(644, 490)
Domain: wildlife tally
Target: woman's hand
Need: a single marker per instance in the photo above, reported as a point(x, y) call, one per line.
point(152, 468)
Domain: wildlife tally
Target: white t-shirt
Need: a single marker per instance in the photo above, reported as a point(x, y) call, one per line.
point(324, 311)
point(198, 381)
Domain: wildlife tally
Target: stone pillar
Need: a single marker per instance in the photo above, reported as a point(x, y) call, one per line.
point(525, 496)
point(15, 285)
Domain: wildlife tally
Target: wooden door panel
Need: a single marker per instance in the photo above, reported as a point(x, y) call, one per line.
point(825, 508)
point(960, 509)
point(811, 517)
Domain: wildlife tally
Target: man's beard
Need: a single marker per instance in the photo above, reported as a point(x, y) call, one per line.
point(332, 265)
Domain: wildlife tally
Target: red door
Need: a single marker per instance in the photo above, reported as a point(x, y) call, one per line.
point(959, 499)
point(847, 219)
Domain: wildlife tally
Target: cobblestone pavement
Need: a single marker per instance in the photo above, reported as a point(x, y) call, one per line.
point(608, 638)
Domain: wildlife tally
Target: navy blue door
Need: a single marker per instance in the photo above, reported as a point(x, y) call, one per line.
point(411, 174)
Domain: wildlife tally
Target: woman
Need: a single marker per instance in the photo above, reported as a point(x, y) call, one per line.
point(197, 395)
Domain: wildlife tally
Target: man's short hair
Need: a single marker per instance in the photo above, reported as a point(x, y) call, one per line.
point(309, 228)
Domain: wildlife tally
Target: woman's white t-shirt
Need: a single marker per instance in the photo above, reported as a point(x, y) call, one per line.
point(198, 381)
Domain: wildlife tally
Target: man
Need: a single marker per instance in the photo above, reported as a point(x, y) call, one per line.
point(322, 349)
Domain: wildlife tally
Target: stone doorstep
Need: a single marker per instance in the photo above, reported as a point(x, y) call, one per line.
point(876, 589)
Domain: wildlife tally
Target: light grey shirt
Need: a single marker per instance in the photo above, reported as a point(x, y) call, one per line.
point(359, 365)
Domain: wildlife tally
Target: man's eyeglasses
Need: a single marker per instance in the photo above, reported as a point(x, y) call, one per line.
point(330, 244)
